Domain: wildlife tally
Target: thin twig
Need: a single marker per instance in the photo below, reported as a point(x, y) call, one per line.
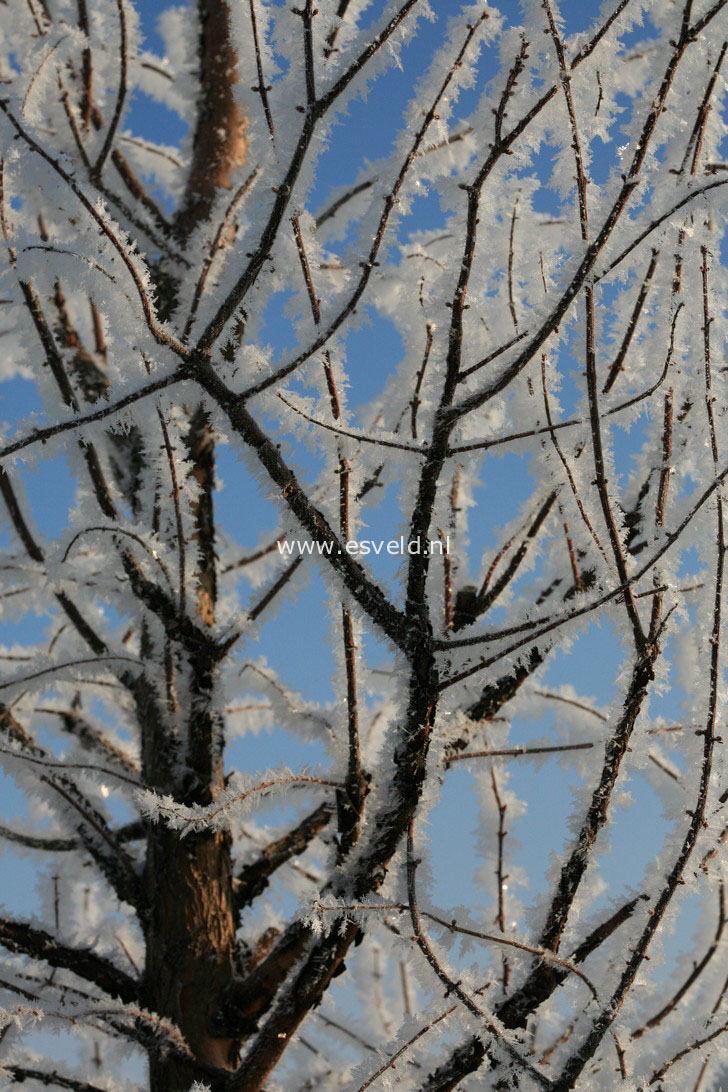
point(500, 875)
point(562, 458)
point(694, 975)
point(120, 96)
point(515, 752)
point(618, 362)
point(261, 87)
point(511, 304)
point(306, 270)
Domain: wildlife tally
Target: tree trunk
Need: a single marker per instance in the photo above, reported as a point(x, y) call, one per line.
point(190, 940)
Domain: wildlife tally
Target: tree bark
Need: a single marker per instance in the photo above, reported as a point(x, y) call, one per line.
point(219, 143)
point(190, 943)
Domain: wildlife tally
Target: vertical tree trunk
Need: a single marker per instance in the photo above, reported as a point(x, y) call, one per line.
point(190, 936)
point(190, 929)
point(190, 940)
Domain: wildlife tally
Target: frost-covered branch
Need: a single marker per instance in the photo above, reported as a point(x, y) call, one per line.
point(20, 937)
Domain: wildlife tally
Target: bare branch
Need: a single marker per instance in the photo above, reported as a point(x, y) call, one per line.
point(20, 1074)
point(19, 937)
point(692, 977)
point(120, 97)
point(253, 878)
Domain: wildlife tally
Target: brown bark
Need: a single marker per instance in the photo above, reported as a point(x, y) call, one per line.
point(190, 940)
point(219, 144)
point(190, 927)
